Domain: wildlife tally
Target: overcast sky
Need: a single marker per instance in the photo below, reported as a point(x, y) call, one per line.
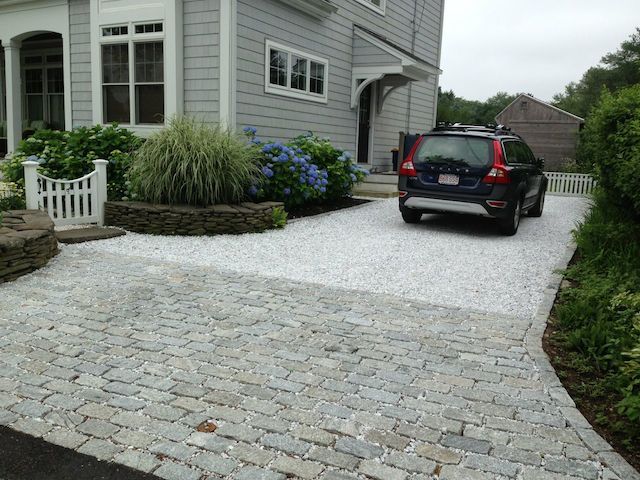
point(533, 46)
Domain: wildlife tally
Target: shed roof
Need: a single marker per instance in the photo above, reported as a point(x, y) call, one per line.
point(537, 100)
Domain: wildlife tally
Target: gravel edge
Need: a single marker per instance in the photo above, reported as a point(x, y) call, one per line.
point(533, 342)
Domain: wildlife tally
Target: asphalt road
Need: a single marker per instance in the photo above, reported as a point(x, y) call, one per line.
point(23, 457)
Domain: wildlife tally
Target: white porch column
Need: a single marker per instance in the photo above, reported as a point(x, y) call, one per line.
point(14, 94)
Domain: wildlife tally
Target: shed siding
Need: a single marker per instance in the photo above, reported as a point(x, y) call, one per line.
point(80, 51)
point(279, 117)
point(550, 133)
point(201, 59)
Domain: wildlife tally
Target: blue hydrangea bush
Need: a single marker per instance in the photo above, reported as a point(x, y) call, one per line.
point(305, 170)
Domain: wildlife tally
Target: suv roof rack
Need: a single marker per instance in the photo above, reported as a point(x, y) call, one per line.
point(459, 127)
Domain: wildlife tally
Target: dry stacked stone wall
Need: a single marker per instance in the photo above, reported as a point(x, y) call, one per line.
point(184, 220)
point(27, 242)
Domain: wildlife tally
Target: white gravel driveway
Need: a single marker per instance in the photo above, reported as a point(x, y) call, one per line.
point(445, 260)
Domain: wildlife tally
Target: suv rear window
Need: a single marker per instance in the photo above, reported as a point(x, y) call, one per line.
point(455, 150)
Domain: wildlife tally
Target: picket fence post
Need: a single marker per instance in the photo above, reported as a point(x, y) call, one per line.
point(31, 184)
point(101, 169)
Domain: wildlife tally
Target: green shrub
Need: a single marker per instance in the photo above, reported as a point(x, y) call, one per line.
point(279, 217)
point(342, 173)
point(68, 155)
point(600, 316)
point(305, 170)
point(11, 197)
point(191, 163)
point(610, 143)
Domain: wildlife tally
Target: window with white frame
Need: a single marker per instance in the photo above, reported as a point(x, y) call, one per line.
point(376, 5)
point(133, 74)
point(296, 74)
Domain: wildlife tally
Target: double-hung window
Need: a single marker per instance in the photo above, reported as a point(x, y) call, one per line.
point(375, 5)
point(296, 74)
point(133, 74)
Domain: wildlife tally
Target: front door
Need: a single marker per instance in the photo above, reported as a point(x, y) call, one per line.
point(364, 125)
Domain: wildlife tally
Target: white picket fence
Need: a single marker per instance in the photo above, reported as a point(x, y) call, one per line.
point(570, 184)
point(68, 202)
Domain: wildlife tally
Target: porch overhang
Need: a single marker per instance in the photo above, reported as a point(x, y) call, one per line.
point(376, 59)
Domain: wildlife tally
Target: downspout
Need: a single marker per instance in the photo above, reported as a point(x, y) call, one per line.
point(435, 100)
point(413, 48)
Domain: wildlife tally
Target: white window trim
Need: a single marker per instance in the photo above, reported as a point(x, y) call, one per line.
point(288, 91)
point(167, 11)
point(378, 9)
point(131, 39)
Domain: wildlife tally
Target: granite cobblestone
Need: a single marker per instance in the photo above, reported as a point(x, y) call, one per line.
point(300, 380)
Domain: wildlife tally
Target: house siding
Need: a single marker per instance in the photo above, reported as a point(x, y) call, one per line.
point(279, 117)
point(80, 52)
point(366, 55)
point(202, 59)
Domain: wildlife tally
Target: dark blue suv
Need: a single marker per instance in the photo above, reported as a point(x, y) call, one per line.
point(475, 170)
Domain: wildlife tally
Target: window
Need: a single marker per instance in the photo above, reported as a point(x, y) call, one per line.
point(375, 5)
point(455, 150)
point(517, 152)
point(295, 74)
point(111, 31)
point(43, 84)
point(133, 75)
point(149, 28)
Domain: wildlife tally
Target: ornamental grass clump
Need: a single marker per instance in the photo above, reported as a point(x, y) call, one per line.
point(195, 164)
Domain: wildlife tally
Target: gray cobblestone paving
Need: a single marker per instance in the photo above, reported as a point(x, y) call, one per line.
point(122, 358)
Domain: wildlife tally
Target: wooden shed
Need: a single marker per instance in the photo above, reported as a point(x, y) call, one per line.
point(551, 132)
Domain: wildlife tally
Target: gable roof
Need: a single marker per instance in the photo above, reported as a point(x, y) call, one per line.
point(537, 100)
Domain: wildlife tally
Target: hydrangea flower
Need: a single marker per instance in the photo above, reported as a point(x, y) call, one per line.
point(292, 168)
point(267, 172)
point(253, 190)
point(353, 177)
point(250, 130)
point(323, 189)
point(287, 191)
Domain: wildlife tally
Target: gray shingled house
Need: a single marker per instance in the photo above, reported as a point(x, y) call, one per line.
point(358, 71)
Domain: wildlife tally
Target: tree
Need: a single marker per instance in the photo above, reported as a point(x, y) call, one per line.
point(452, 108)
point(617, 70)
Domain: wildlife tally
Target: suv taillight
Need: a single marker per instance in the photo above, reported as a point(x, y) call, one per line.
point(407, 168)
point(499, 172)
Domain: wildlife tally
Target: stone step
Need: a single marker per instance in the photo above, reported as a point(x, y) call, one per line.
point(386, 178)
point(80, 235)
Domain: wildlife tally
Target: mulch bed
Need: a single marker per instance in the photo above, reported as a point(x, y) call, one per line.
point(311, 210)
point(598, 407)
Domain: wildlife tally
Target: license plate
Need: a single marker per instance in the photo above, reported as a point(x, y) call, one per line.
point(448, 179)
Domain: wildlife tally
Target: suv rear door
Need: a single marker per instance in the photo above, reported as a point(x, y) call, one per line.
point(454, 163)
point(517, 156)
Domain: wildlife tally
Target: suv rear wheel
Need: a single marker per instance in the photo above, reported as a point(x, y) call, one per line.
point(509, 226)
point(410, 216)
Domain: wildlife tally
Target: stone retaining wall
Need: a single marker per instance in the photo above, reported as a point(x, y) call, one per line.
point(27, 242)
point(184, 220)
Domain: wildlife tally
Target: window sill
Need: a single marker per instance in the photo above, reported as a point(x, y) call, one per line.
point(371, 6)
point(141, 130)
point(282, 92)
point(316, 8)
